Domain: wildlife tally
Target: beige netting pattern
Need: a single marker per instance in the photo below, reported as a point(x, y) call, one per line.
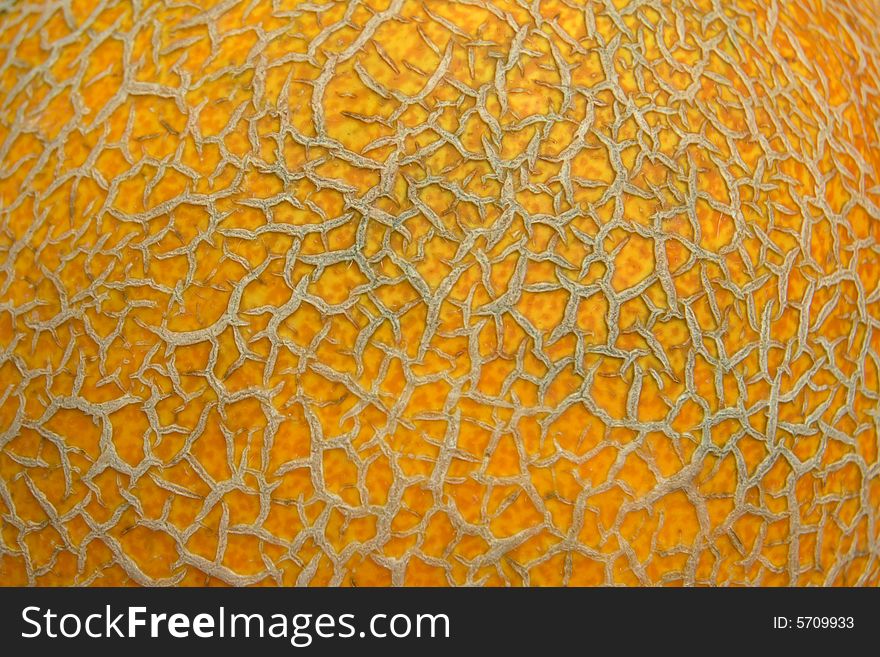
point(605, 163)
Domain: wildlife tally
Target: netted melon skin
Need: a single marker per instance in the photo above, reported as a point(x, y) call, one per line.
point(429, 293)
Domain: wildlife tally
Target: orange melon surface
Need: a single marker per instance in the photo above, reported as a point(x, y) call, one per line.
point(439, 293)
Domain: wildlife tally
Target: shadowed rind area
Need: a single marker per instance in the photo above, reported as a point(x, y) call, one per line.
point(442, 292)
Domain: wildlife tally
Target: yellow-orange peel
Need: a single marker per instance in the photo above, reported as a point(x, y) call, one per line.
point(439, 292)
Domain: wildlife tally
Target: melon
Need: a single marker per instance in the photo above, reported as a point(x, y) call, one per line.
point(439, 293)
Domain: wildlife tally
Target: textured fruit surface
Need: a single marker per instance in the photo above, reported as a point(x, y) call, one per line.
point(436, 292)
